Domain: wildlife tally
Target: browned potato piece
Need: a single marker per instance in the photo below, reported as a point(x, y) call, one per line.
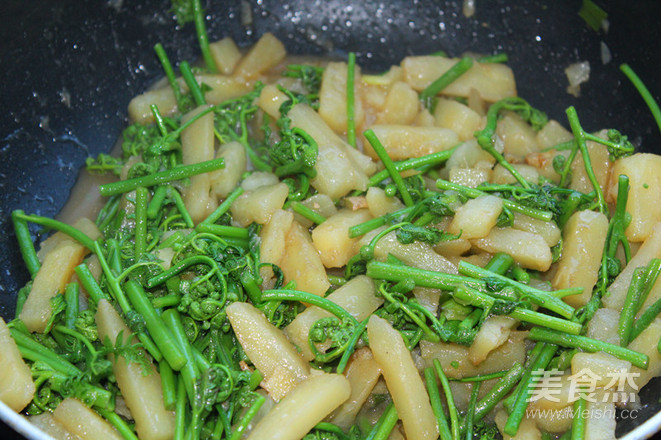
point(494, 332)
point(405, 141)
point(333, 97)
point(650, 249)
point(340, 168)
point(584, 236)
point(53, 276)
point(331, 238)
point(415, 254)
point(518, 136)
point(492, 81)
point(549, 231)
point(197, 145)
point(379, 203)
point(305, 406)
point(301, 262)
point(644, 171)
point(528, 249)
point(502, 176)
point(267, 348)
point(457, 117)
point(401, 106)
point(224, 180)
point(363, 372)
point(470, 155)
point(502, 358)
point(604, 326)
point(601, 164)
point(80, 420)
point(142, 392)
point(358, 297)
point(646, 343)
point(266, 53)
point(470, 177)
point(553, 133)
point(225, 55)
point(476, 217)
point(259, 205)
point(16, 384)
point(273, 235)
point(403, 380)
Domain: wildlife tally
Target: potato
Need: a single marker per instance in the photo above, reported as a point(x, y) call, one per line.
point(258, 179)
point(379, 203)
point(476, 217)
point(404, 382)
point(142, 392)
point(47, 423)
point(258, 205)
point(273, 235)
point(80, 420)
point(549, 231)
point(543, 163)
point(553, 133)
point(604, 326)
point(405, 141)
point(601, 164)
point(600, 423)
point(266, 53)
point(16, 385)
point(220, 87)
point(528, 249)
point(197, 145)
point(428, 298)
point(491, 80)
point(304, 407)
point(225, 180)
point(602, 365)
point(331, 238)
point(301, 262)
point(401, 105)
point(265, 345)
point(321, 204)
point(517, 135)
point(340, 167)
point(493, 333)
point(527, 429)
point(140, 110)
point(225, 55)
point(415, 254)
point(470, 177)
point(358, 297)
point(502, 358)
point(644, 171)
point(424, 119)
point(617, 291)
point(583, 246)
point(470, 155)
point(53, 276)
point(502, 176)
point(333, 97)
point(457, 117)
point(271, 99)
point(646, 343)
point(453, 248)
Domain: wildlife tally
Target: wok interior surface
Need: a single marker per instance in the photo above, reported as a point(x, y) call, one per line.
point(69, 69)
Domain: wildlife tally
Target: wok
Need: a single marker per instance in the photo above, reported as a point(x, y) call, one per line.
point(70, 67)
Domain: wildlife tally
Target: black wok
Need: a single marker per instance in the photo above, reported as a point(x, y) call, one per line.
point(70, 67)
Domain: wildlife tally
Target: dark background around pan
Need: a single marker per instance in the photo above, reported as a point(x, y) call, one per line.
point(68, 69)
